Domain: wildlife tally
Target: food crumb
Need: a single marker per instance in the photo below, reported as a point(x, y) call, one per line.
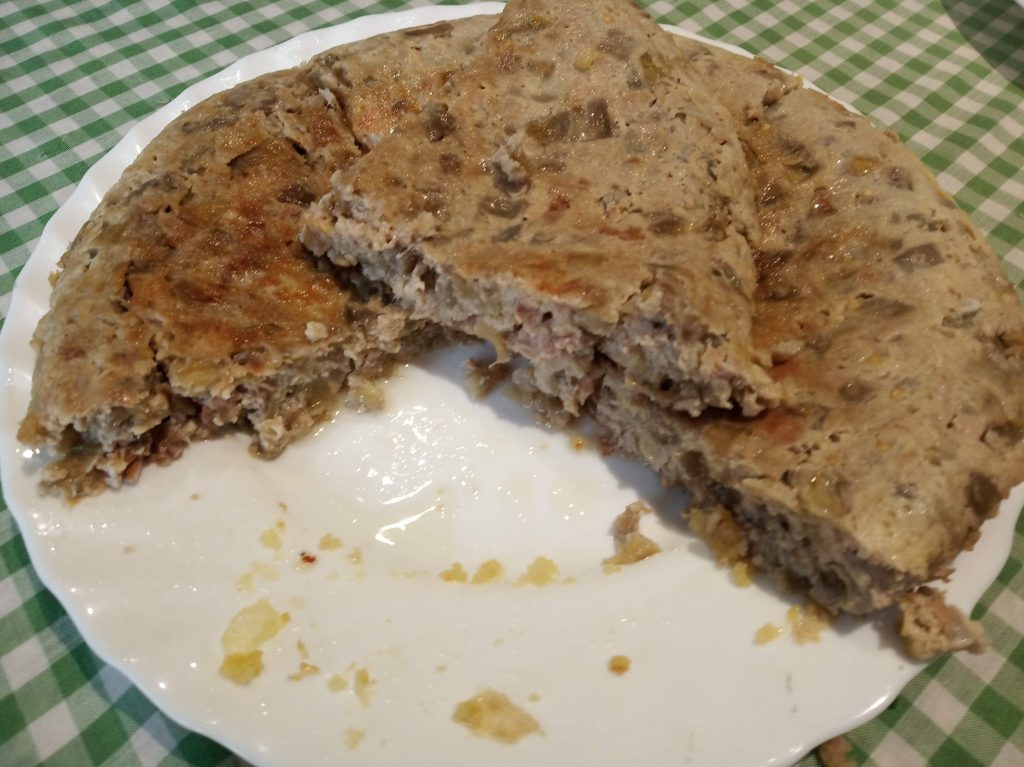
point(806, 623)
point(540, 572)
point(271, 539)
point(741, 574)
point(306, 559)
point(578, 443)
point(245, 582)
point(194, 496)
point(336, 683)
point(619, 664)
point(242, 667)
point(282, 506)
point(363, 684)
point(330, 543)
point(247, 631)
point(305, 669)
point(488, 571)
point(769, 632)
point(455, 574)
point(128, 549)
point(631, 545)
point(492, 715)
point(356, 557)
point(353, 738)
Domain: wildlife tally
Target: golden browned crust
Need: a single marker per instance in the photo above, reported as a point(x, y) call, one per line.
point(187, 304)
point(187, 283)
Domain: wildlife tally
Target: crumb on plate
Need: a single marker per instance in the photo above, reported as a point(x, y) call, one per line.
point(336, 683)
point(806, 623)
point(363, 683)
point(769, 632)
point(492, 715)
point(619, 664)
point(329, 543)
point(631, 545)
point(248, 630)
point(305, 669)
point(540, 572)
point(455, 574)
point(489, 571)
point(353, 738)
point(271, 539)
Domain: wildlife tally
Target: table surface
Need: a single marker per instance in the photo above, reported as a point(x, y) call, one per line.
point(947, 76)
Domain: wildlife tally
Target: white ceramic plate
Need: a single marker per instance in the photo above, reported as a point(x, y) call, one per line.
point(153, 574)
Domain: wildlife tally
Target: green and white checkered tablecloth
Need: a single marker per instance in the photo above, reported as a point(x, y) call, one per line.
point(947, 75)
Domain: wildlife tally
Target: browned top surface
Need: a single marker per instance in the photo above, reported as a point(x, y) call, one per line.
point(189, 277)
point(394, 74)
point(192, 259)
point(902, 340)
point(577, 158)
point(225, 274)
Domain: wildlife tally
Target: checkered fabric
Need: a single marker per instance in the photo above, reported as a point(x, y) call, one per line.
point(75, 74)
